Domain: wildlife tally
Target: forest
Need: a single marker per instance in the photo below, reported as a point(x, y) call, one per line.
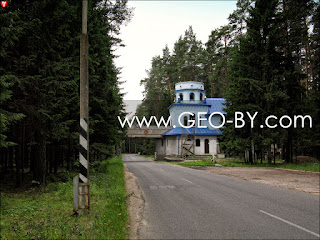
point(266, 60)
point(39, 84)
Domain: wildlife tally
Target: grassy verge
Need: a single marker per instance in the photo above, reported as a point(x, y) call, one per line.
point(315, 167)
point(199, 163)
point(46, 213)
point(147, 156)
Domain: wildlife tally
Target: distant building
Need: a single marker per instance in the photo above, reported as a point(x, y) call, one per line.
point(180, 141)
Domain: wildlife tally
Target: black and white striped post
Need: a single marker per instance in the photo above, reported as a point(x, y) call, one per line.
point(81, 200)
point(83, 153)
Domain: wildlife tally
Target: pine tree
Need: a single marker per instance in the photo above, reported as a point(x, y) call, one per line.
point(41, 59)
point(254, 80)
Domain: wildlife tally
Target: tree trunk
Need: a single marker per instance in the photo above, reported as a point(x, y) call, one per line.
point(250, 157)
point(285, 25)
point(50, 158)
point(171, 95)
point(269, 155)
point(33, 150)
point(226, 66)
point(274, 154)
point(6, 157)
point(42, 161)
point(17, 158)
point(10, 163)
point(288, 157)
point(55, 157)
point(26, 155)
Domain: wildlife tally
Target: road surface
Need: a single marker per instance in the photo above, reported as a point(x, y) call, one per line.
point(184, 203)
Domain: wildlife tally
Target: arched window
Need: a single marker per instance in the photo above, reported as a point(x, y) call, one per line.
point(181, 96)
point(206, 146)
point(192, 96)
point(193, 117)
point(201, 96)
point(197, 142)
point(185, 121)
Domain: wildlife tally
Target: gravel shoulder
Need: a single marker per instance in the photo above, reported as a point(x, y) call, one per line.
point(135, 203)
point(308, 182)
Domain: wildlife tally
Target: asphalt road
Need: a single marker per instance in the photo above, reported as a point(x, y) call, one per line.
point(184, 203)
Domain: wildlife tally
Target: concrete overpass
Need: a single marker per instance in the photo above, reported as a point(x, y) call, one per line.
point(147, 132)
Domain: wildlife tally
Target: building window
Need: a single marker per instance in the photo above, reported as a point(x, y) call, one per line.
point(193, 117)
point(191, 96)
point(181, 96)
point(185, 121)
point(197, 142)
point(189, 140)
point(206, 146)
point(201, 96)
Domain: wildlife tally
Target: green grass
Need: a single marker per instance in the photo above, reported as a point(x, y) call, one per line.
point(201, 163)
point(229, 162)
point(314, 167)
point(147, 156)
point(46, 213)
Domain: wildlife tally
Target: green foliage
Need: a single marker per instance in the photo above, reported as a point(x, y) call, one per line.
point(266, 73)
point(199, 163)
point(230, 162)
point(39, 76)
point(45, 213)
point(265, 60)
point(6, 117)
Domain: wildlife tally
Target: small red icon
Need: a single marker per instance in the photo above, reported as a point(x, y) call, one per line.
point(3, 3)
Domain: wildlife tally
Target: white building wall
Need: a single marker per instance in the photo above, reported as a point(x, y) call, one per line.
point(160, 149)
point(171, 146)
point(213, 145)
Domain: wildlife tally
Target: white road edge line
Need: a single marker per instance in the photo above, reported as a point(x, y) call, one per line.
point(290, 223)
point(186, 180)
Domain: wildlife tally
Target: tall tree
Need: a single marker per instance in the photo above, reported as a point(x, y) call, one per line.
point(40, 57)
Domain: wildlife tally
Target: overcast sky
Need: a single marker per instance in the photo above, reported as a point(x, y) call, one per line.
point(157, 23)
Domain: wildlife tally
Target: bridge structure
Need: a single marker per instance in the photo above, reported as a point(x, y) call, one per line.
point(147, 132)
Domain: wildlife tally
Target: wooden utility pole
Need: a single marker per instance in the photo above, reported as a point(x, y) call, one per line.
point(81, 182)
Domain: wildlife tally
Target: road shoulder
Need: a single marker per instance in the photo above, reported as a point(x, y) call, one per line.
point(135, 203)
point(301, 181)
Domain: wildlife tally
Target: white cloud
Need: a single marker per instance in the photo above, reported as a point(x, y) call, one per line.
point(157, 23)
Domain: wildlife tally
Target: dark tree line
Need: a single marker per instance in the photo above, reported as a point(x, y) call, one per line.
point(39, 83)
point(266, 60)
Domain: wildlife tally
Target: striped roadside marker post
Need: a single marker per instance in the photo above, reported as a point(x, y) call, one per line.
point(81, 200)
point(81, 185)
point(83, 153)
point(84, 186)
